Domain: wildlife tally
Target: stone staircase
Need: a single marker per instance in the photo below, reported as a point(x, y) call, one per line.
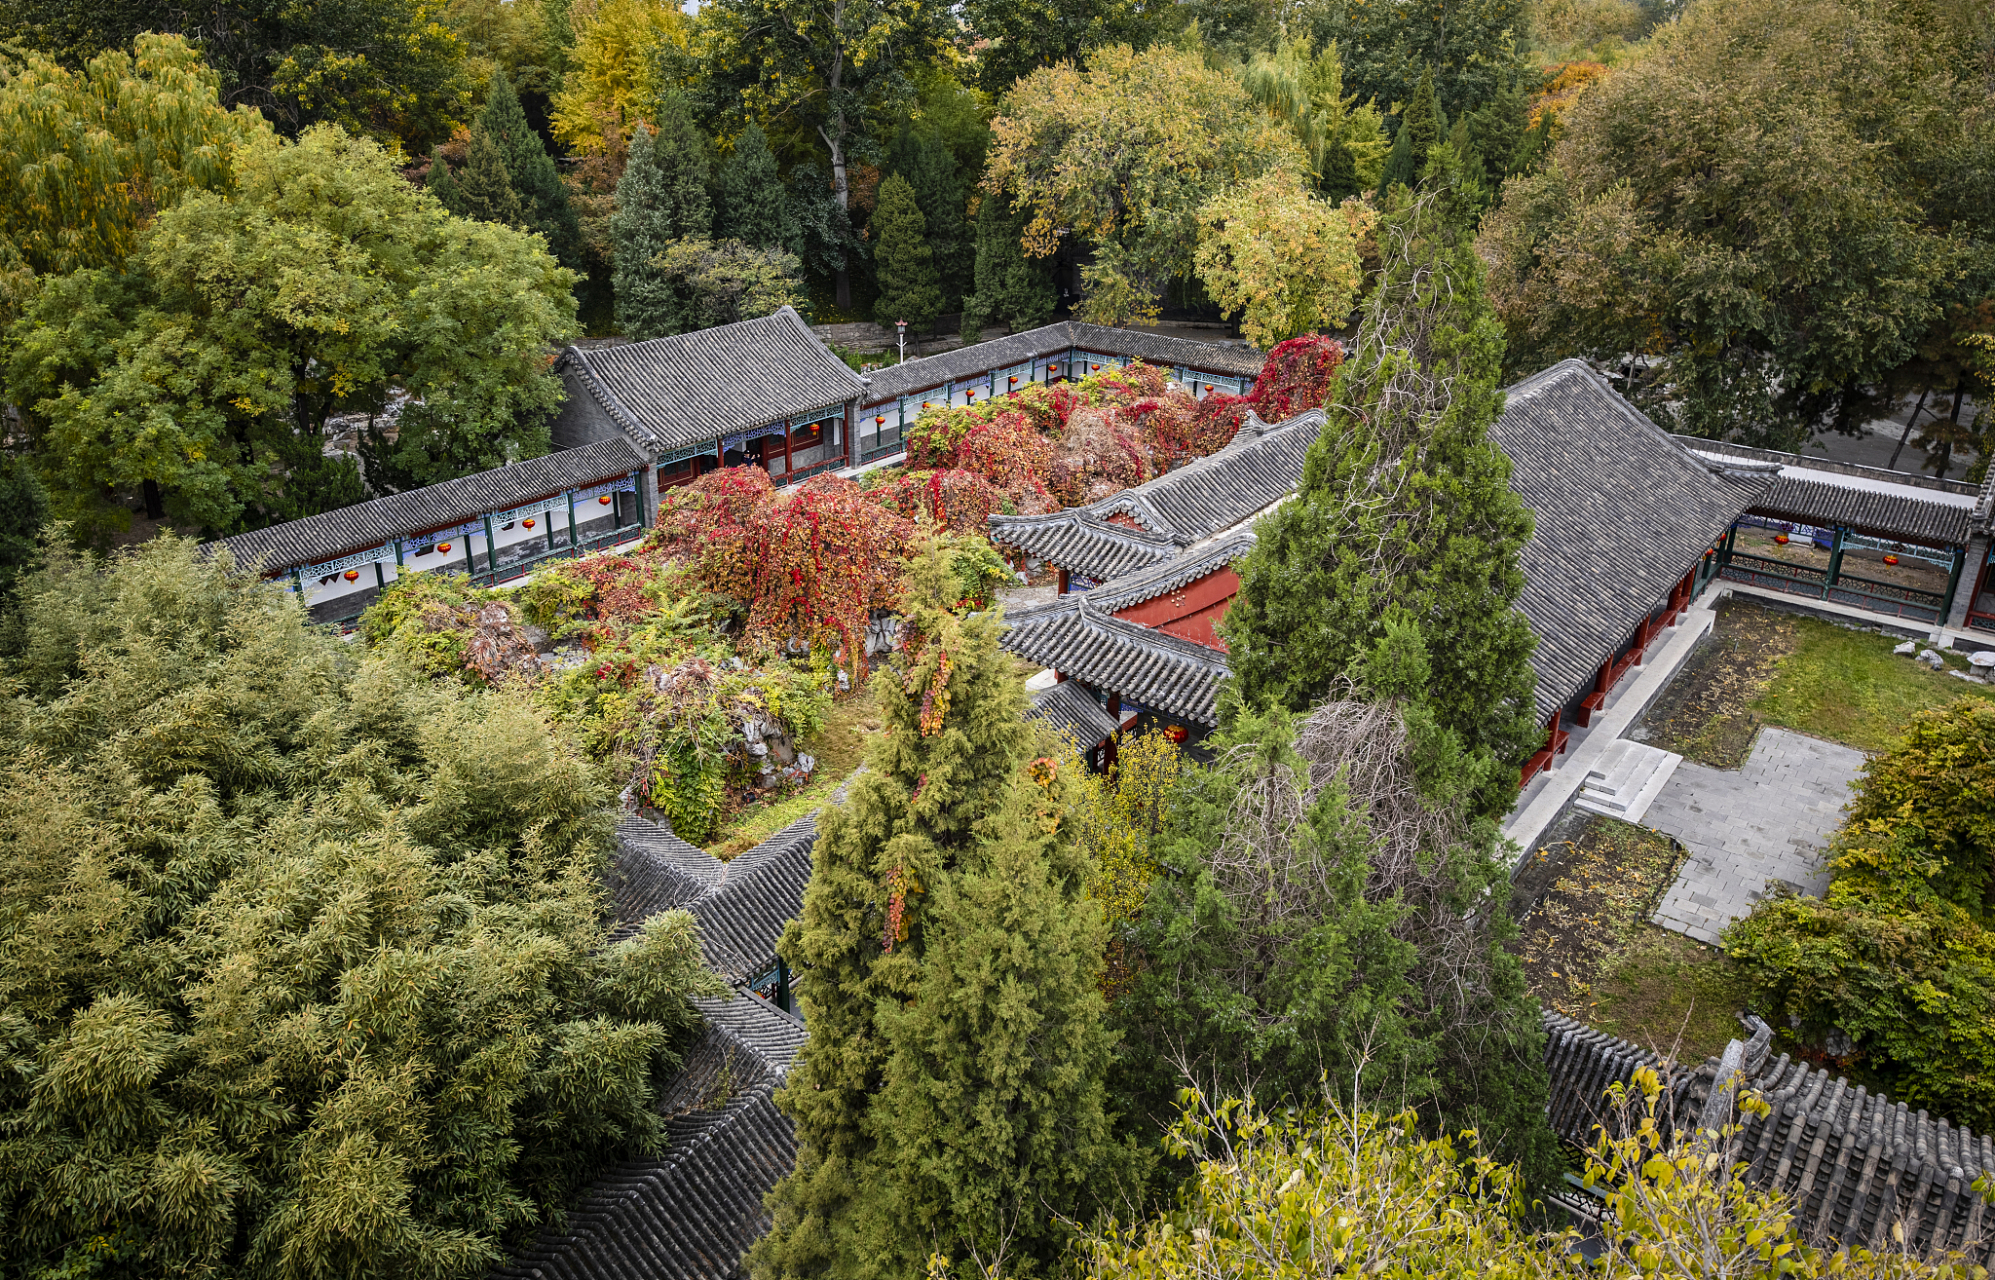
point(1625, 779)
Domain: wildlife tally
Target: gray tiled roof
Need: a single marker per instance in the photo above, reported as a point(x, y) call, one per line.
point(1852, 1162)
point(741, 906)
point(319, 538)
point(1157, 579)
point(1069, 710)
point(692, 1211)
point(1887, 515)
point(1149, 667)
point(1017, 348)
point(1178, 508)
point(655, 871)
point(699, 386)
point(1623, 509)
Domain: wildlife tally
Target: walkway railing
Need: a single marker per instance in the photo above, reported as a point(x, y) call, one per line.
point(1840, 588)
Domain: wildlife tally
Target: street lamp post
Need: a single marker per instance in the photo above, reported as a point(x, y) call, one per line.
point(902, 326)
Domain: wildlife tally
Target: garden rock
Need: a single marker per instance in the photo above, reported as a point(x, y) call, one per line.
point(537, 637)
point(1909, 647)
point(1984, 659)
point(1931, 658)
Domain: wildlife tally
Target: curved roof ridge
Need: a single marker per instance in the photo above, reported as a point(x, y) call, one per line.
point(1148, 583)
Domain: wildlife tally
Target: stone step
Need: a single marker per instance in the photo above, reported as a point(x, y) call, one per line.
point(1625, 779)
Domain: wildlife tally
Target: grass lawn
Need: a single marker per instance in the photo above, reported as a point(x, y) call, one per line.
point(1590, 952)
point(840, 747)
point(1849, 687)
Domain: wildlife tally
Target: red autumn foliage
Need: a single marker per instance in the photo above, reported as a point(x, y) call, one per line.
point(1296, 377)
point(810, 563)
point(957, 500)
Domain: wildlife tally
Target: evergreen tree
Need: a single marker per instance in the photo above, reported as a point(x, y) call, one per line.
point(909, 287)
point(919, 154)
point(952, 1086)
point(1339, 178)
point(543, 197)
point(1009, 286)
point(754, 205)
point(1421, 124)
point(654, 205)
point(1334, 921)
point(683, 157)
point(484, 189)
point(443, 185)
point(1405, 502)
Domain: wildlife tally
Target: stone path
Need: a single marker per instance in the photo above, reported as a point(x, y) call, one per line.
point(1768, 821)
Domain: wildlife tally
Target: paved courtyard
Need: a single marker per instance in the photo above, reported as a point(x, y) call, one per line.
point(1769, 821)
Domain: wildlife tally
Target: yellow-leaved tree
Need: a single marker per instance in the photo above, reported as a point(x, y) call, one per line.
point(1120, 815)
point(613, 78)
point(1284, 259)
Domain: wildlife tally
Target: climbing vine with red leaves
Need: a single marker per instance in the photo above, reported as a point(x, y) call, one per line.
point(1296, 377)
point(954, 499)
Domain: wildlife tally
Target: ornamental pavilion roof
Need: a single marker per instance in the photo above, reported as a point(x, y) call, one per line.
point(1853, 1162)
point(319, 538)
point(701, 386)
point(1210, 495)
point(1060, 336)
point(1623, 509)
point(1071, 710)
point(1144, 665)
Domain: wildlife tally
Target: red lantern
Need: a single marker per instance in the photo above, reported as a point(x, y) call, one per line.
point(1891, 559)
point(443, 547)
point(1780, 538)
point(1093, 367)
point(926, 405)
point(968, 395)
point(1176, 733)
point(527, 523)
point(1012, 379)
point(1052, 369)
point(605, 499)
point(353, 575)
point(1208, 388)
point(880, 421)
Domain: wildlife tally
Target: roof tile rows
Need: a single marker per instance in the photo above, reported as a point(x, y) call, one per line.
point(319, 538)
point(741, 906)
point(1880, 514)
point(1147, 667)
point(1072, 712)
point(1152, 348)
point(1853, 1162)
point(1622, 508)
point(700, 386)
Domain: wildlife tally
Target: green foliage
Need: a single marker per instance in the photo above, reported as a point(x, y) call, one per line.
point(24, 511)
point(1771, 209)
point(301, 961)
point(1344, 142)
point(243, 321)
point(1469, 48)
point(1405, 503)
point(384, 68)
point(531, 173)
point(1349, 1192)
point(485, 191)
point(662, 197)
point(952, 1087)
point(1334, 921)
point(721, 281)
point(1025, 35)
point(87, 157)
point(1422, 124)
point(1900, 953)
point(442, 185)
point(1009, 287)
point(1122, 157)
point(919, 154)
point(1124, 814)
point(754, 208)
point(910, 286)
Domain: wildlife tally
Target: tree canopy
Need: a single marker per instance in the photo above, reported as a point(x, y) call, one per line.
point(245, 319)
point(1762, 217)
point(302, 968)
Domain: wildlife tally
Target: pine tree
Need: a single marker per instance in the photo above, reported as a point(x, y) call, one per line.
point(754, 204)
point(1339, 178)
point(952, 1085)
point(442, 185)
point(484, 189)
point(647, 221)
point(683, 157)
point(909, 287)
point(1421, 125)
point(919, 154)
point(1405, 502)
point(543, 197)
point(1009, 286)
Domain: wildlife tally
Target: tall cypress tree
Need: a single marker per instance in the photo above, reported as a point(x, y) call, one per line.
point(442, 185)
point(1405, 502)
point(543, 197)
point(1421, 125)
point(662, 197)
point(1009, 286)
point(909, 287)
point(952, 1085)
point(484, 188)
point(754, 205)
point(919, 154)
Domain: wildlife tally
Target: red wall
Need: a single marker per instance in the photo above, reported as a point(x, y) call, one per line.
point(1191, 611)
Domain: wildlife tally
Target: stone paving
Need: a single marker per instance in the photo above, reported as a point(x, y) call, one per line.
point(1767, 822)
